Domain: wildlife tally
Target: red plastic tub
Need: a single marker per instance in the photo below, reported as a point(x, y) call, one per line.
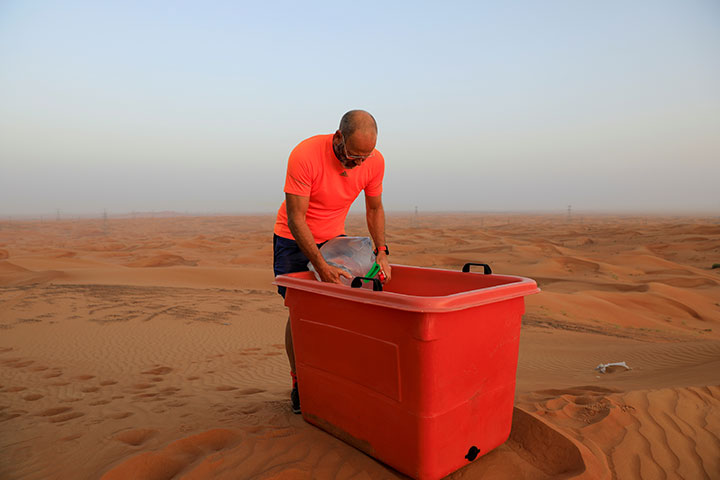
point(420, 375)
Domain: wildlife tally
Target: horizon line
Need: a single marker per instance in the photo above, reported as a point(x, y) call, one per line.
point(59, 215)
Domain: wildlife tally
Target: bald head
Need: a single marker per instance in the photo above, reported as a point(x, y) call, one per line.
point(355, 138)
point(358, 121)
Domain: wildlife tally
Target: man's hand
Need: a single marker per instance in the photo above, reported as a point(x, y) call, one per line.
point(375, 215)
point(331, 274)
point(385, 269)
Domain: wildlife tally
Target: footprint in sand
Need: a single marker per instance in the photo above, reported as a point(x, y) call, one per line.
point(32, 397)
point(89, 389)
point(54, 374)
point(18, 363)
point(83, 377)
point(135, 437)
point(15, 389)
point(146, 395)
point(587, 404)
point(158, 371)
point(98, 402)
point(66, 417)
point(250, 391)
point(169, 390)
point(59, 414)
point(225, 388)
point(53, 411)
point(120, 416)
point(249, 409)
point(142, 386)
point(276, 433)
point(249, 351)
point(5, 416)
point(105, 383)
point(71, 399)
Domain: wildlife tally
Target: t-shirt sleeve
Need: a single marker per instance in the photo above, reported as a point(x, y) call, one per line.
point(374, 186)
point(298, 179)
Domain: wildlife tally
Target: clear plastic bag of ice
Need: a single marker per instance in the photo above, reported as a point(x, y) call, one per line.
point(352, 254)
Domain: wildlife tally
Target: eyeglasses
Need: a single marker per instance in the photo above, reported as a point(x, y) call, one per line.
point(355, 158)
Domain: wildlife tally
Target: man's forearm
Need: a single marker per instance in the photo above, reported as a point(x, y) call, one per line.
point(376, 225)
point(305, 240)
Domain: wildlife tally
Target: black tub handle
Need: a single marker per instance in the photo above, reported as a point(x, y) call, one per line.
point(358, 281)
point(486, 268)
point(472, 453)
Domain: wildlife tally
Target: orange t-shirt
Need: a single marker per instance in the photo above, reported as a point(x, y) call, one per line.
point(314, 171)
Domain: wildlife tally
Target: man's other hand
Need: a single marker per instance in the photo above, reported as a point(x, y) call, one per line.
point(385, 268)
point(331, 274)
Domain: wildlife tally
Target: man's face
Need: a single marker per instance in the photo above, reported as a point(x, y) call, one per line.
point(353, 151)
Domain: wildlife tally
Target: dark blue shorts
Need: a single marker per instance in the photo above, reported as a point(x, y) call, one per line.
point(288, 258)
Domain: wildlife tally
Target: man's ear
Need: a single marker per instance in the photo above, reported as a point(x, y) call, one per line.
point(337, 137)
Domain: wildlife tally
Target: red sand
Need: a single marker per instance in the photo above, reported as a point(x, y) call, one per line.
point(152, 348)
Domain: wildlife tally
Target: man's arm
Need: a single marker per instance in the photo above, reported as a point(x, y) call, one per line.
point(375, 215)
point(296, 209)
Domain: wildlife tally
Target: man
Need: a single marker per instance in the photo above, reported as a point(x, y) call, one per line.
point(325, 175)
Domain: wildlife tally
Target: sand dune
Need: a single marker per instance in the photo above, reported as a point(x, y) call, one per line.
point(153, 348)
point(161, 260)
point(11, 274)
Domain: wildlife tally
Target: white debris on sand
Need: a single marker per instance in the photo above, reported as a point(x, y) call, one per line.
point(604, 366)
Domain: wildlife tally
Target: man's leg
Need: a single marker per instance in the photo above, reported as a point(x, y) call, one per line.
point(288, 258)
point(289, 346)
point(295, 392)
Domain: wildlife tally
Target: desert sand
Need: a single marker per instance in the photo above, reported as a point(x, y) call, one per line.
point(152, 348)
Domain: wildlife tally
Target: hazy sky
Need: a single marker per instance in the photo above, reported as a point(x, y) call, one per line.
point(490, 106)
